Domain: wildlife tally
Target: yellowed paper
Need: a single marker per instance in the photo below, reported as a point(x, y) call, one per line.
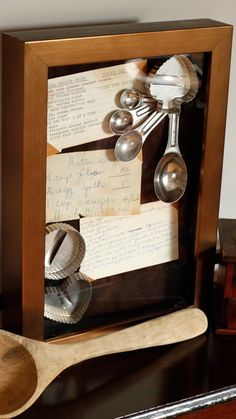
point(122, 244)
point(91, 183)
point(79, 104)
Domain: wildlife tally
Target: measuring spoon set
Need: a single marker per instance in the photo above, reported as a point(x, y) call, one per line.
point(173, 83)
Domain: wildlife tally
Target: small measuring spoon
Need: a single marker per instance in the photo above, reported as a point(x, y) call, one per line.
point(170, 177)
point(123, 120)
point(129, 144)
point(132, 98)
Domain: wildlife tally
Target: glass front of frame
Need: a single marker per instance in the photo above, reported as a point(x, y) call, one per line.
point(120, 234)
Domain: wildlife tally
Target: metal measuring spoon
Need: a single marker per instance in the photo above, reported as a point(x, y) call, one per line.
point(170, 177)
point(132, 98)
point(123, 120)
point(129, 144)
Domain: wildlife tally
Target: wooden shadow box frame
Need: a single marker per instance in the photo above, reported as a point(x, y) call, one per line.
point(28, 57)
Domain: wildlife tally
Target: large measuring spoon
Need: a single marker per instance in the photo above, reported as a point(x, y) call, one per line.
point(129, 144)
point(28, 366)
point(170, 177)
point(132, 98)
point(123, 120)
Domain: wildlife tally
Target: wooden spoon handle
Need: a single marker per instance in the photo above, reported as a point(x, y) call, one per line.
point(171, 328)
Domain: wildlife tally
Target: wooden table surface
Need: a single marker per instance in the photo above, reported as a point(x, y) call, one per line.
point(122, 384)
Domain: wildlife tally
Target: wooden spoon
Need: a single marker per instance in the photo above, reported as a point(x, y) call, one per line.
point(28, 366)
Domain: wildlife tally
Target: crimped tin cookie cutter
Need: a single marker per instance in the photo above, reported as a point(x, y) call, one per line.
point(64, 250)
point(68, 301)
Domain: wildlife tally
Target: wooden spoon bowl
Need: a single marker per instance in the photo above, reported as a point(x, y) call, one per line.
point(15, 360)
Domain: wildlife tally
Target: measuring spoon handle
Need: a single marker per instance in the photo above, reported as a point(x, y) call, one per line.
point(173, 133)
point(151, 123)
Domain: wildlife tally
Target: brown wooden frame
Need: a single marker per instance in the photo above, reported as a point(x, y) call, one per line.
point(26, 59)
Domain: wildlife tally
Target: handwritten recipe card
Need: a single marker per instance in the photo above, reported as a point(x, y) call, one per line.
point(91, 183)
point(78, 104)
point(122, 244)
